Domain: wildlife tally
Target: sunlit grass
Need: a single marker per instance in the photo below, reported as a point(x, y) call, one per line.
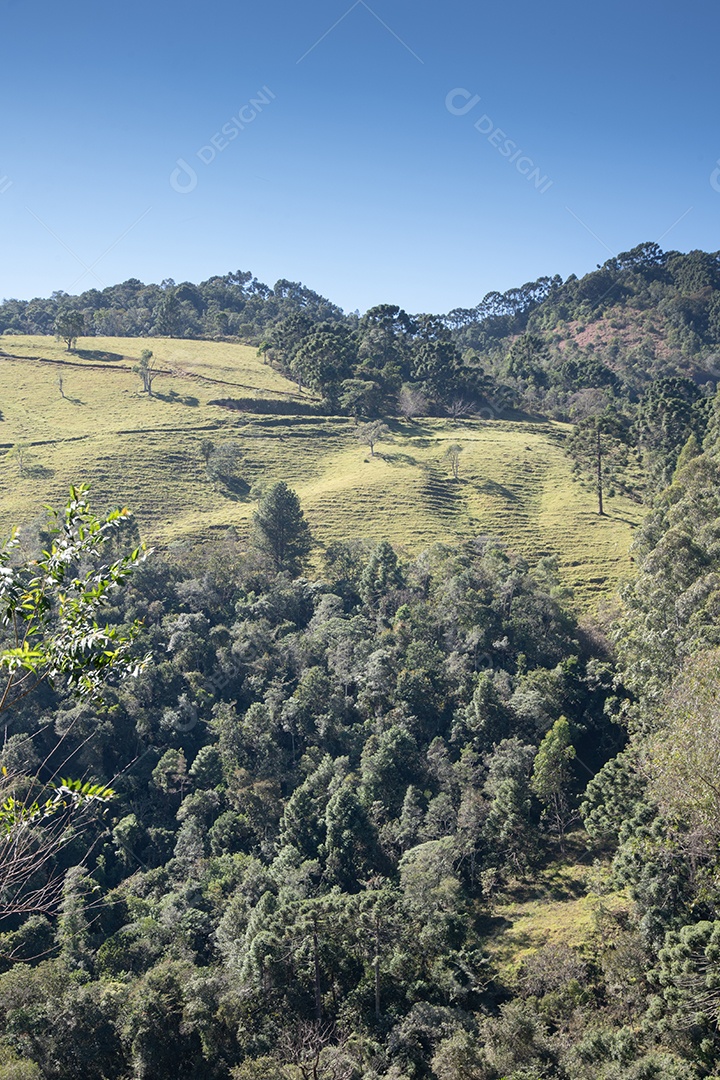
point(515, 480)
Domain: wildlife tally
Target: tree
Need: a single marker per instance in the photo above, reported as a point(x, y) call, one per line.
point(350, 840)
point(50, 608)
point(412, 402)
point(280, 529)
point(206, 448)
point(381, 575)
point(682, 759)
point(435, 358)
point(147, 370)
point(552, 775)
point(671, 411)
point(599, 447)
point(324, 359)
point(168, 321)
point(511, 825)
point(361, 397)
point(70, 325)
point(222, 461)
point(20, 453)
point(313, 1051)
point(378, 926)
point(688, 973)
point(452, 456)
point(459, 407)
point(527, 358)
point(369, 434)
point(285, 337)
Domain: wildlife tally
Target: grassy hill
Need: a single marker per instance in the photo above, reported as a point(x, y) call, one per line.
point(515, 480)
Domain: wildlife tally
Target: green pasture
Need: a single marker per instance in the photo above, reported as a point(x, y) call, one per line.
point(515, 480)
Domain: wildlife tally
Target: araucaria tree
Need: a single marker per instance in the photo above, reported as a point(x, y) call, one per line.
point(599, 447)
point(280, 529)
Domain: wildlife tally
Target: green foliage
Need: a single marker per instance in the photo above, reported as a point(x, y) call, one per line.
point(52, 604)
point(688, 973)
point(281, 532)
point(369, 434)
point(611, 797)
point(552, 774)
point(147, 370)
point(682, 758)
point(69, 794)
point(70, 325)
point(333, 853)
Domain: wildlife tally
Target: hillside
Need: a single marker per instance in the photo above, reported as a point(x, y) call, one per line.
point(515, 480)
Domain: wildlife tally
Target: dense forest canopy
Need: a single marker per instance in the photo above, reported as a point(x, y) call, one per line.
point(351, 814)
point(329, 787)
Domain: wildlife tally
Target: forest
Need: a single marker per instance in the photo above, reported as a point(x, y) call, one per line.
point(267, 809)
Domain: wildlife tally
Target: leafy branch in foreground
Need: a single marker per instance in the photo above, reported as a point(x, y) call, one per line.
point(51, 607)
point(50, 612)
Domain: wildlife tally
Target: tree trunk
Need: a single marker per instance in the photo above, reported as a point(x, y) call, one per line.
point(376, 968)
point(316, 958)
point(601, 511)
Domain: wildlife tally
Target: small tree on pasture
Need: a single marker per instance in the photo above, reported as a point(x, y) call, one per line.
point(452, 456)
point(70, 325)
point(206, 449)
point(374, 432)
point(147, 371)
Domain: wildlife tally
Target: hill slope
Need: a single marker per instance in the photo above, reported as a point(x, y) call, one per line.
point(515, 480)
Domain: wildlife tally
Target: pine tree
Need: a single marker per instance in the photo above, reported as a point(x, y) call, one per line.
point(281, 531)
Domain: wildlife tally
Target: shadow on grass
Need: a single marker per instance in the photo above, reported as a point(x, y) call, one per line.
point(38, 472)
point(396, 459)
point(173, 398)
point(557, 889)
point(98, 354)
point(491, 487)
point(487, 924)
point(233, 488)
point(410, 428)
point(74, 400)
point(616, 516)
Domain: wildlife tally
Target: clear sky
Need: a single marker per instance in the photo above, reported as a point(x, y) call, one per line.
point(355, 172)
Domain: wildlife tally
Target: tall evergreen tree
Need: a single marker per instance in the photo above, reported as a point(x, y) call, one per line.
point(280, 529)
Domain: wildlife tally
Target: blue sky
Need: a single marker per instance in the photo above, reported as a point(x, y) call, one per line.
point(354, 174)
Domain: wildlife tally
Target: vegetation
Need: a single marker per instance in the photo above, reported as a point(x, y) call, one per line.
point(147, 370)
point(386, 799)
point(516, 480)
point(49, 607)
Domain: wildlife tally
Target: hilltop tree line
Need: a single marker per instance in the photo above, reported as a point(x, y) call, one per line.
point(329, 786)
point(235, 305)
point(630, 353)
